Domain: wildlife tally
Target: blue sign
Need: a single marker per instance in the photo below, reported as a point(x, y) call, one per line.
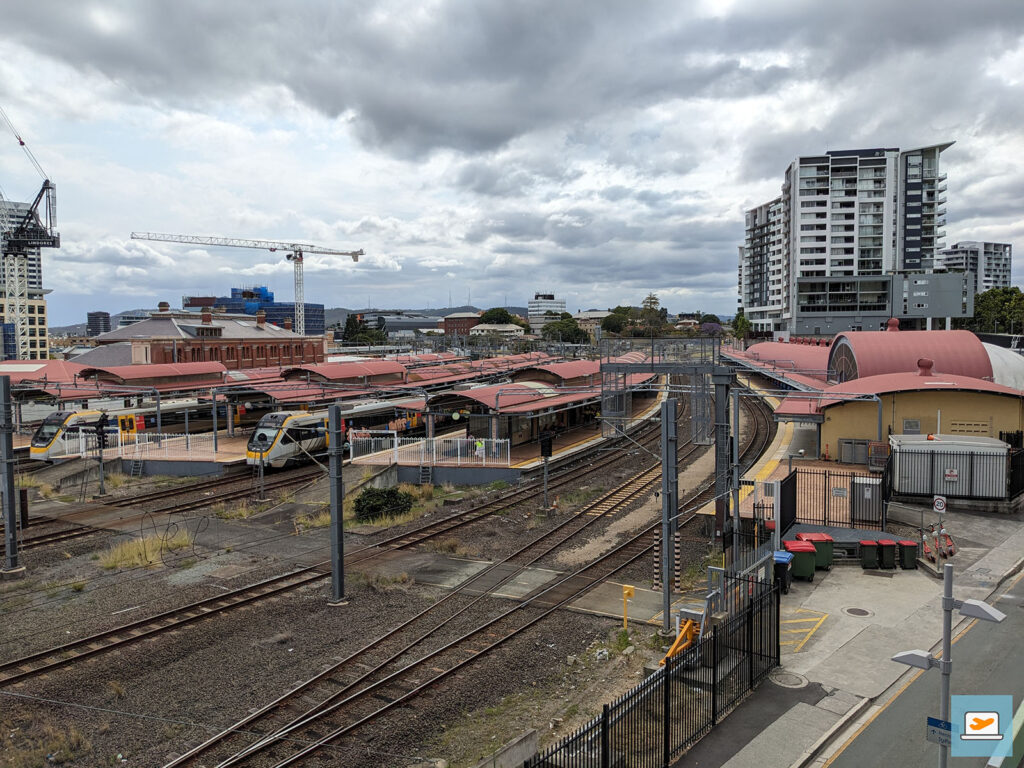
point(981, 726)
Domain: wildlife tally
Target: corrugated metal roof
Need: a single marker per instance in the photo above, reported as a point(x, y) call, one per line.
point(211, 370)
point(573, 369)
point(40, 370)
point(958, 353)
point(807, 358)
point(345, 371)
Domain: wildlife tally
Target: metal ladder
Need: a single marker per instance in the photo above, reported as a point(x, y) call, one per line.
point(136, 468)
point(426, 474)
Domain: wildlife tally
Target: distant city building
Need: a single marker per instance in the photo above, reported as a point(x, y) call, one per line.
point(825, 252)
point(8, 342)
point(97, 323)
point(544, 308)
point(590, 321)
point(130, 318)
point(251, 300)
point(991, 263)
point(505, 330)
point(460, 323)
point(36, 329)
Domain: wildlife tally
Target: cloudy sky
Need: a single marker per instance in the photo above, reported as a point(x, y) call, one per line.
point(491, 148)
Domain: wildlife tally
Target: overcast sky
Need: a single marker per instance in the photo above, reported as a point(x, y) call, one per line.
point(600, 150)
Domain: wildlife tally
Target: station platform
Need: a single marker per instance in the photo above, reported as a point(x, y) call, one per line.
point(564, 445)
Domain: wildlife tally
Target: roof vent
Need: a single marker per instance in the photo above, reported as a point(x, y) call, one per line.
point(893, 324)
point(207, 316)
point(261, 318)
point(924, 366)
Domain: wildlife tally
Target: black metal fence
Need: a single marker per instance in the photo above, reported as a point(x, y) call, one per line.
point(956, 474)
point(666, 714)
point(1016, 474)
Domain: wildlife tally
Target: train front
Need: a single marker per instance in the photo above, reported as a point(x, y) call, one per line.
point(47, 441)
point(265, 438)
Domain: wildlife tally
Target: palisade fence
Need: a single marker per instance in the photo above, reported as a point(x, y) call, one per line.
point(380, 447)
point(669, 712)
point(956, 474)
point(144, 445)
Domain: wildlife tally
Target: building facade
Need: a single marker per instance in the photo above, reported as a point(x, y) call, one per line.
point(460, 323)
point(97, 323)
point(859, 215)
point(990, 263)
point(544, 308)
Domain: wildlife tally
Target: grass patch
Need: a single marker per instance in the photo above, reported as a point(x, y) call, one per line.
point(622, 641)
point(116, 689)
point(240, 511)
point(28, 744)
point(320, 518)
point(78, 586)
point(143, 552)
point(383, 583)
point(449, 546)
point(499, 485)
point(28, 481)
point(579, 496)
point(115, 480)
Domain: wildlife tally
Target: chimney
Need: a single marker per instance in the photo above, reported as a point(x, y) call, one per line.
point(207, 316)
point(287, 323)
point(163, 306)
point(261, 319)
point(924, 366)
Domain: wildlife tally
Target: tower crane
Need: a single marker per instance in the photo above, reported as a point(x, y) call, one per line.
point(23, 231)
point(296, 252)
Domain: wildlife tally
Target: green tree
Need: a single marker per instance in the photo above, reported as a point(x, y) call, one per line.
point(650, 314)
point(496, 316)
point(741, 327)
point(565, 329)
point(614, 323)
point(352, 327)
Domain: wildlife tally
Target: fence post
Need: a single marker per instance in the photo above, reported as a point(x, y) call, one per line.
point(666, 740)
point(714, 677)
point(606, 760)
point(750, 643)
point(776, 625)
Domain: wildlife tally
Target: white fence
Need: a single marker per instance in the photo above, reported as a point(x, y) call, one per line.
point(389, 448)
point(146, 445)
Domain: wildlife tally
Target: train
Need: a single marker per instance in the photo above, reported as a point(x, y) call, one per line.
point(284, 438)
point(60, 435)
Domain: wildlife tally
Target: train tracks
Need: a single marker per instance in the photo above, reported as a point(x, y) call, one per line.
point(352, 691)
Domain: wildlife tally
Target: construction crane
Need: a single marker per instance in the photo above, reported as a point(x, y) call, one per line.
point(23, 231)
point(296, 252)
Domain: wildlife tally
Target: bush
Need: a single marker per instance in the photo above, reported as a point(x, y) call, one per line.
point(374, 503)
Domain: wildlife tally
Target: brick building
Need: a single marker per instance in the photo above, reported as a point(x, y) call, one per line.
point(460, 323)
point(237, 341)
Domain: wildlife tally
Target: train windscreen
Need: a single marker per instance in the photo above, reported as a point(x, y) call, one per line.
point(51, 425)
point(266, 430)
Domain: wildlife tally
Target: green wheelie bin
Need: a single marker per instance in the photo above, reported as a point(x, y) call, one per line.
point(804, 558)
point(868, 554)
point(823, 548)
point(908, 554)
point(887, 553)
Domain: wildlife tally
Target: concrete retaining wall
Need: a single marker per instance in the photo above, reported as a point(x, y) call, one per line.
point(461, 475)
point(174, 468)
point(513, 754)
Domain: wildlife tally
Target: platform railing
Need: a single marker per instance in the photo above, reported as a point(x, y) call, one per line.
point(388, 448)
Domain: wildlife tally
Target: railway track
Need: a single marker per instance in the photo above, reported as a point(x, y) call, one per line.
point(283, 723)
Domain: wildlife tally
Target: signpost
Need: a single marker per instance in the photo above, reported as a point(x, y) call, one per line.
point(939, 731)
point(627, 593)
point(939, 504)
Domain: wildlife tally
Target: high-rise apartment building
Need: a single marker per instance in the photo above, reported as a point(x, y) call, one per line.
point(990, 263)
point(818, 259)
point(36, 330)
point(543, 308)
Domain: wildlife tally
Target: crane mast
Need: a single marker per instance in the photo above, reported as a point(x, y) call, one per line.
point(24, 229)
point(295, 255)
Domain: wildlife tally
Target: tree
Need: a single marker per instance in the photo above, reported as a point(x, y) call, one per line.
point(650, 314)
point(741, 327)
point(565, 329)
point(352, 327)
point(709, 318)
point(496, 316)
point(614, 323)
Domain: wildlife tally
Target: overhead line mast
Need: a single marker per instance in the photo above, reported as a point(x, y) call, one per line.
point(296, 252)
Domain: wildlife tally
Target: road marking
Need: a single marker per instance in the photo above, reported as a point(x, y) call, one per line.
point(801, 625)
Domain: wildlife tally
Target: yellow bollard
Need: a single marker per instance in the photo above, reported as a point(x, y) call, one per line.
point(627, 593)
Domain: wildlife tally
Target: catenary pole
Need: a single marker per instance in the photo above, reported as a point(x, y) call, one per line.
point(11, 564)
point(337, 505)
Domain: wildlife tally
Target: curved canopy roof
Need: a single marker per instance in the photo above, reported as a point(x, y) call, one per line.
point(860, 354)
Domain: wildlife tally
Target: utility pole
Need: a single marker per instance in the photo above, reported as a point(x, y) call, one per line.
point(337, 507)
point(11, 568)
point(735, 476)
point(669, 506)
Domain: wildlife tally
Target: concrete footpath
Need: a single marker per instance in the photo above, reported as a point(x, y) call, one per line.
point(838, 634)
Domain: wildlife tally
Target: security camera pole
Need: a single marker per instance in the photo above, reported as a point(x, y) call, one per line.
point(337, 506)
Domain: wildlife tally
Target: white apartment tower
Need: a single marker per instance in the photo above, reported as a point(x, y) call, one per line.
point(821, 257)
point(543, 308)
point(991, 263)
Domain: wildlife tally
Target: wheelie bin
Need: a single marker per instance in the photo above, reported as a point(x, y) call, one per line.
point(908, 554)
point(804, 556)
point(783, 576)
point(887, 553)
point(868, 554)
point(823, 544)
